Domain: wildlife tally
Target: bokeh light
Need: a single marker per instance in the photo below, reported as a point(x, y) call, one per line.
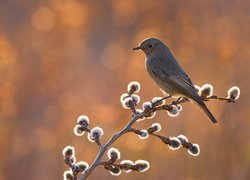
point(43, 19)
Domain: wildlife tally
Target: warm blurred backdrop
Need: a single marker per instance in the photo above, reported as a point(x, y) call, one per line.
point(63, 58)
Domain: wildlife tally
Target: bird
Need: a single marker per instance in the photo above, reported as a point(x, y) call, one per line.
point(168, 74)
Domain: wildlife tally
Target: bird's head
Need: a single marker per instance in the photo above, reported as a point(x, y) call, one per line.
point(151, 46)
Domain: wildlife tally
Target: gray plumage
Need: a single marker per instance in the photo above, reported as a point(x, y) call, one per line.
point(168, 73)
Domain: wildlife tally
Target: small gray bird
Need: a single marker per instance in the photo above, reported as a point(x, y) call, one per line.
point(168, 73)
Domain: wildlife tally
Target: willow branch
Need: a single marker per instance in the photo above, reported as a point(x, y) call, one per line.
point(102, 149)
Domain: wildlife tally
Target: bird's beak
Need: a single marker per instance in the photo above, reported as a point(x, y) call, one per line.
point(137, 48)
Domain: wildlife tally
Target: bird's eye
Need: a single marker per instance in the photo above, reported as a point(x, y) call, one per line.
point(150, 45)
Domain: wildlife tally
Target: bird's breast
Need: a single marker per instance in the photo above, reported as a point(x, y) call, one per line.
point(154, 70)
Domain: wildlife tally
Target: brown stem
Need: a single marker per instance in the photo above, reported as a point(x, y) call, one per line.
point(128, 128)
point(102, 149)
point(220, 98)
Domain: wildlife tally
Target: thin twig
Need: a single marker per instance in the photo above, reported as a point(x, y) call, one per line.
point(220, 98)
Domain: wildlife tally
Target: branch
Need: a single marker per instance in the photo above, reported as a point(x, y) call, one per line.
point(130, 101)
point(102, 150)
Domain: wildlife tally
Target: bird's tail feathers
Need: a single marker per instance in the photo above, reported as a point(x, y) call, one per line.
point(206, 110)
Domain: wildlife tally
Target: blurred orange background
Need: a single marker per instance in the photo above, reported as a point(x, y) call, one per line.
point(63, 58)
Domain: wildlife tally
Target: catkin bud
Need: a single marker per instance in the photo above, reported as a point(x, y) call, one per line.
point(156, 127)
point(234, 93)
point(179, 107)
point(194, 150)
point(134, 87)
point(174, 112)
point(135, 99)
point(78, 130)
point(126, 102)
point(146, 105)
point(126, 164)
point(114, 154)
point(124, 96)
point(82, 166)
point(182, 138)
point(206, 90)
point(95, 133)
point(143, 134)
point(68, 151)
point(175, 143)
point(142, 165)
point(115, 171)
point(83, 120)
point(139, 111)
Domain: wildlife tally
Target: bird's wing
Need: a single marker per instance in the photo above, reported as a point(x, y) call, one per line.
point(182, 84)
point(175, 77)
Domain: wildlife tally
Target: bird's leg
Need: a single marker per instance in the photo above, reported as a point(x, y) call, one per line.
point(177, 101)
point(166, 97)
point(180, 100)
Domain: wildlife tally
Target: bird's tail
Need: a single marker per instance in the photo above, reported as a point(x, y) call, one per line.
point(207, 111)
point(203, 106)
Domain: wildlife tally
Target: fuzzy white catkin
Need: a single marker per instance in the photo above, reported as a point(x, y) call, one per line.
point(125, 102)
point(78, 131)
point(127, 162)
point(234, 92)
point(113, 152)
point(68, 151)
point(157, 125)
point(95, 130)
point(206, 90)
point(117, 171)
point(89, 138)
point(135, 98)
point(146, 105)
point(174, 112)
point(194, 150)
point(144, 134)
point(123, 97)
point(182, 138)
point(83, 120)
point(179, 107)
point(134, 84)
point(139, 111)
point(82, 166)
point(175, 143)
point(143, 165)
